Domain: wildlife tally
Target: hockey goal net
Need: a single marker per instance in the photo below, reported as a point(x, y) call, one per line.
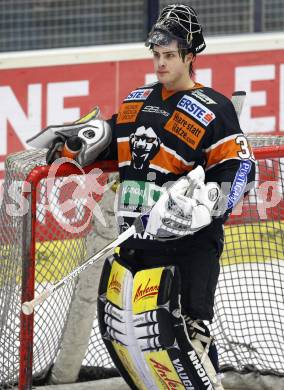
point(36, 249)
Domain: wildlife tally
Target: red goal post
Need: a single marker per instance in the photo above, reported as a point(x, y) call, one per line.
point(35, 251)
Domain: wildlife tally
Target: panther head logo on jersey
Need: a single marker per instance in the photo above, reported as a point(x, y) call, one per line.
point(144, 145)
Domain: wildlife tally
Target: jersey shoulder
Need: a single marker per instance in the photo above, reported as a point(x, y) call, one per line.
point(151, 85)
point(210, 98)
point(142, 93)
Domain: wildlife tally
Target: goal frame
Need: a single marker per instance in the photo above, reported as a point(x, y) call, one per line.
point(29, 247)
point(29, 251)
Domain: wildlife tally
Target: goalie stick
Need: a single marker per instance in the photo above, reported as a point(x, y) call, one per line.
point(137, 227)
point(238, 98)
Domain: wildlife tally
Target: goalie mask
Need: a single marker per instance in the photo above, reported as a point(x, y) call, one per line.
point(177, 22)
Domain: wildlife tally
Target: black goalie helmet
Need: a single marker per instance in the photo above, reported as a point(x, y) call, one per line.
point(177, 22)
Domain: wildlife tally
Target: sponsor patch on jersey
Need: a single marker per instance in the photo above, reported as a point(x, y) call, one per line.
point(139, 94)
point(240, 183)
point(196, 109)
point(200, 95)
point(155, 110)
point(128, 112)
point(185, 129)
point(136, 195)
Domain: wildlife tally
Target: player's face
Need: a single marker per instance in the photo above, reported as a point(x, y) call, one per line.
point(171, 70)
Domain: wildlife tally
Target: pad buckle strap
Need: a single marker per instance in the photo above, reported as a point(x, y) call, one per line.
point(197, 331)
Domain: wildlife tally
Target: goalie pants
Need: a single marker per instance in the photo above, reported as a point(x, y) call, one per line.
point(199, 267)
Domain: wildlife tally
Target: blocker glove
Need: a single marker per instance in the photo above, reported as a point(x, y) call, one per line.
point(184, 208)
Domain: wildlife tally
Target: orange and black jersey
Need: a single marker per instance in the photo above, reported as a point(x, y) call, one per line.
point(159, 136)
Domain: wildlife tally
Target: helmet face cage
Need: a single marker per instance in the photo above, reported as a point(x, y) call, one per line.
point(178, 22)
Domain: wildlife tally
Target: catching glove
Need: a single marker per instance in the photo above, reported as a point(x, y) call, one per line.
point(90, 135)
